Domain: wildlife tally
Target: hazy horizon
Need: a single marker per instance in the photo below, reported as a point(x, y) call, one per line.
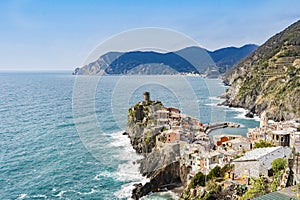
point(42, 35)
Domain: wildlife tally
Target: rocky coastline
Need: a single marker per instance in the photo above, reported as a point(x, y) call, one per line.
point(160, 165)
point(152, 129)
point(268, 79)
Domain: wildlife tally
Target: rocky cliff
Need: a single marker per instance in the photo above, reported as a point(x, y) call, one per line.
point(269, 78)
point(142, 135)
point(166, 177)
point(160, 165)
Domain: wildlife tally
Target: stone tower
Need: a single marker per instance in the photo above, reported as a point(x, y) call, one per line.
point(263, 119)
point(146, 97)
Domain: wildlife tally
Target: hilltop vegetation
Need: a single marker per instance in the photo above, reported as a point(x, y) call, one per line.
point(187, 60)
point(269, 78)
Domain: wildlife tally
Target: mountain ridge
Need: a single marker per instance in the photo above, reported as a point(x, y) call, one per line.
point(187, 60)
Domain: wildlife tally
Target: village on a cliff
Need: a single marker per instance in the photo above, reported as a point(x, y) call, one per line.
point(180, 154)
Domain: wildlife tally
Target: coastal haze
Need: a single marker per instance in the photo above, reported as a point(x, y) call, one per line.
point(156, 100)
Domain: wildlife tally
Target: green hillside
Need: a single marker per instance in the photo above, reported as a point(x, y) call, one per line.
point(269, 78)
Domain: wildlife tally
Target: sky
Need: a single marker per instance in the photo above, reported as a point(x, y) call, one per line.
point(60, 35)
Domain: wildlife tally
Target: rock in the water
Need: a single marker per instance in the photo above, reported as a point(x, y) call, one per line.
point(167, 177)
point(249, 115)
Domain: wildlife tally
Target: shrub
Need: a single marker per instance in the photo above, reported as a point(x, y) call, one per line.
point(226, 168)
point(214, 173)
point(278, 164)
point(259, 187)
point(263, 144)
point(197, 180)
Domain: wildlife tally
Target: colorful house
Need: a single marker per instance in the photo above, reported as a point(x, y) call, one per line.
point(172, 136)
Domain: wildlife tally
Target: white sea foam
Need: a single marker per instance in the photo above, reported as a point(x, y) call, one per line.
point(214, 101)
point(242, 114)
point(119, 140)
point(270, 121)
point(161, 196)
point(22, 196)
point(223, 85)
point(87, 193)
point(215, 104)
point(241, 111)
point(106, 174)
point(60, 194)
point(125, 191)
point(215, 98)
point(40, 196)
point(129, 170)
point(242, 125)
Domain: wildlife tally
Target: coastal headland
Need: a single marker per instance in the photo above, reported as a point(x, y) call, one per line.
point(165, 137)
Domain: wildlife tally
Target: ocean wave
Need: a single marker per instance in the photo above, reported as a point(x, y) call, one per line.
point(105, 174)
point(214, 101)
point(61, 193)
point(242, 125)
point(36, 196)
point(126, 153)
point(87, 193)
point(161, 196)
point(215, 98)
point(23, 196)
point(242, 114)
point(128, 171)
point(39, 196)
point(70, 124)
point(212, 104)
point(119, 140)
point(125, 191)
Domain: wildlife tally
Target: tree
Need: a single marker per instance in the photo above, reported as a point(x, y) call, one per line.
point(240, 189)
point(226, 169)
point(214, 173)
point(197, 180)
point(263, 144)
point(259, 187)
point(278, 164)
point(274, 185)
point(214, 191)
point(213, 187)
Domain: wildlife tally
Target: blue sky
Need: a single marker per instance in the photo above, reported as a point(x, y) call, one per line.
point(47, 34)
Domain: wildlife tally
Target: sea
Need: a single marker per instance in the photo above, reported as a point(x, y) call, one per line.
point(61, 135)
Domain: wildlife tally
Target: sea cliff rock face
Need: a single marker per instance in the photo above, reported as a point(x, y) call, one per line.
point(159, 158)
point(160, 165)
point(167, 177)
point(269, 78)
point(142, 135)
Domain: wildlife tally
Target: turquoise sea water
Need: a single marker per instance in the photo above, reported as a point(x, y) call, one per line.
point(49, 151)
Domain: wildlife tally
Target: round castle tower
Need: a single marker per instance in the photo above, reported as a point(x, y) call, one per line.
point(146, 97)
